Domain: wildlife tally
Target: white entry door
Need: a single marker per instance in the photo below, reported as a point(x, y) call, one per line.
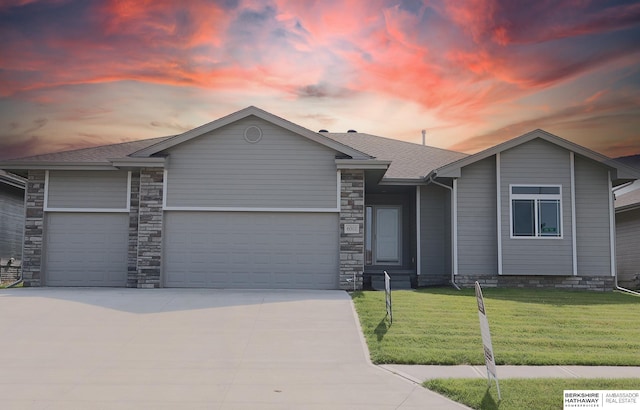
point(387, 235)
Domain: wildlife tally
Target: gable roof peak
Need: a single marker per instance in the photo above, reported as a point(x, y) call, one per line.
point(453, 169)
point(241, 114)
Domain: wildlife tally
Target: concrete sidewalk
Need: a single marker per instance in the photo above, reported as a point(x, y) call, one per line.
point(419, 374)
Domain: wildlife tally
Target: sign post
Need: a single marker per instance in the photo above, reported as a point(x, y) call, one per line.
point(489, 358)
point(387, 293)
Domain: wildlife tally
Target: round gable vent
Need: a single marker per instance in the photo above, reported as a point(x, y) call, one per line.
point(252, 134)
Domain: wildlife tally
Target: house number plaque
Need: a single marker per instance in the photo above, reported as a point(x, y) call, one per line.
point(351, 228)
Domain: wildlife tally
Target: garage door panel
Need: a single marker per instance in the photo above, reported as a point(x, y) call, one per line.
point(251, 250)
point(86, 249)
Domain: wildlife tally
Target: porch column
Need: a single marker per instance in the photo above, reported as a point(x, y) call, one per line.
point(149, 247)
point(352, 238)
point(33, 229)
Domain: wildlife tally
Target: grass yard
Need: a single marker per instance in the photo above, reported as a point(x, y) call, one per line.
point(528, 327)
point(518, 394)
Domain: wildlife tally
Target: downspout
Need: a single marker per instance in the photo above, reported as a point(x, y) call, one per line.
point(613, 237)
point(453, 230)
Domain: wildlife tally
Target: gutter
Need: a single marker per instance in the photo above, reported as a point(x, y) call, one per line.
point(454, 230)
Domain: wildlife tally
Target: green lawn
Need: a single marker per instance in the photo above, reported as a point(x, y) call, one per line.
point(518, 394)
point(528, 327)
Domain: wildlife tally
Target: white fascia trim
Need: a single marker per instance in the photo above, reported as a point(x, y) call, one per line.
point(499, 212)
point(69, 166)
point(454, 221)
point(362, 164)
point(247, 209)
point(88, 210)
point(574, 236)
point(156, 162)
point(418, 253)
point(612, 228)
point(402, 181)
point(338, 189)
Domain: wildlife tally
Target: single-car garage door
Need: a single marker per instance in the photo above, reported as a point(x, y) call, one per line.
point(86, 249)
point(251, 250)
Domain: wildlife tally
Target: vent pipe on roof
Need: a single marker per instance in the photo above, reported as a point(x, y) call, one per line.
point(424, 135)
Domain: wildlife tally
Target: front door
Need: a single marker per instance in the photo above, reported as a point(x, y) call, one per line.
point(387, 234)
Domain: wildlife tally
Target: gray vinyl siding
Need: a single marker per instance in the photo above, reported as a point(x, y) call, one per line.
point(221, 169)
point(435, 231)
point(87, 189)
point(11, 222)
point(592, 218)
point(627, 246)
point(536, 162)
point(477, 238)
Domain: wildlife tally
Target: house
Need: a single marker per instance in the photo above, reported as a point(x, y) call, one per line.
point(252, 200)
point(11, 224)
point(628, 229)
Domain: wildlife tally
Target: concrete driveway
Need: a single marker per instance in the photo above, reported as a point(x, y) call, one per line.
point(80, 348)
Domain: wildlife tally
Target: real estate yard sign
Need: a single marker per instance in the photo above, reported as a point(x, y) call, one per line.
point(489, 359)
point(387, 294)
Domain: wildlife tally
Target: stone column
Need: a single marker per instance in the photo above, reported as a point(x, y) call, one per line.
point(132, 257)
point(351, 244)
point(33, 229)
point(149, 247)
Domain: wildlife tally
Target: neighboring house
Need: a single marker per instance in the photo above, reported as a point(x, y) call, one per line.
point(11, 224)
point(628, 230)
point(11, 215)
point(254, 201)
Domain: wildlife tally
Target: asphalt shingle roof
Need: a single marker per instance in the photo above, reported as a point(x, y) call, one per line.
point(94, 154)
point(628, 198)
point(409, 160)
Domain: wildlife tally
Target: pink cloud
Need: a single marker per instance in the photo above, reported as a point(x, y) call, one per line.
point(462, 62)
point(589, 123)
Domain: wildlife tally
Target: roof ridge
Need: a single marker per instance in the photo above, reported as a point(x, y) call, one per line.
point(395, 140)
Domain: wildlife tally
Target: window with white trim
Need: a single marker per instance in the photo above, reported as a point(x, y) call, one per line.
point(536, 211)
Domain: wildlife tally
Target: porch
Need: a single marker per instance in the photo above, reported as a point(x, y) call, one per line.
point(407, 233)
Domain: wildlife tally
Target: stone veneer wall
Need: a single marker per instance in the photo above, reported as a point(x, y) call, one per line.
point(351, 244)
point(149, 246)
point(132, 257)
point(33, 229)
point(433, 280)
point(598, 283)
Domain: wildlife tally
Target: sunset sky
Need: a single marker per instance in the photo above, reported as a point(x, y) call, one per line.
point(473, 73)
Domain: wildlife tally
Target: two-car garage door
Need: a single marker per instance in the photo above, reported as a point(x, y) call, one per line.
point(260, 250)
